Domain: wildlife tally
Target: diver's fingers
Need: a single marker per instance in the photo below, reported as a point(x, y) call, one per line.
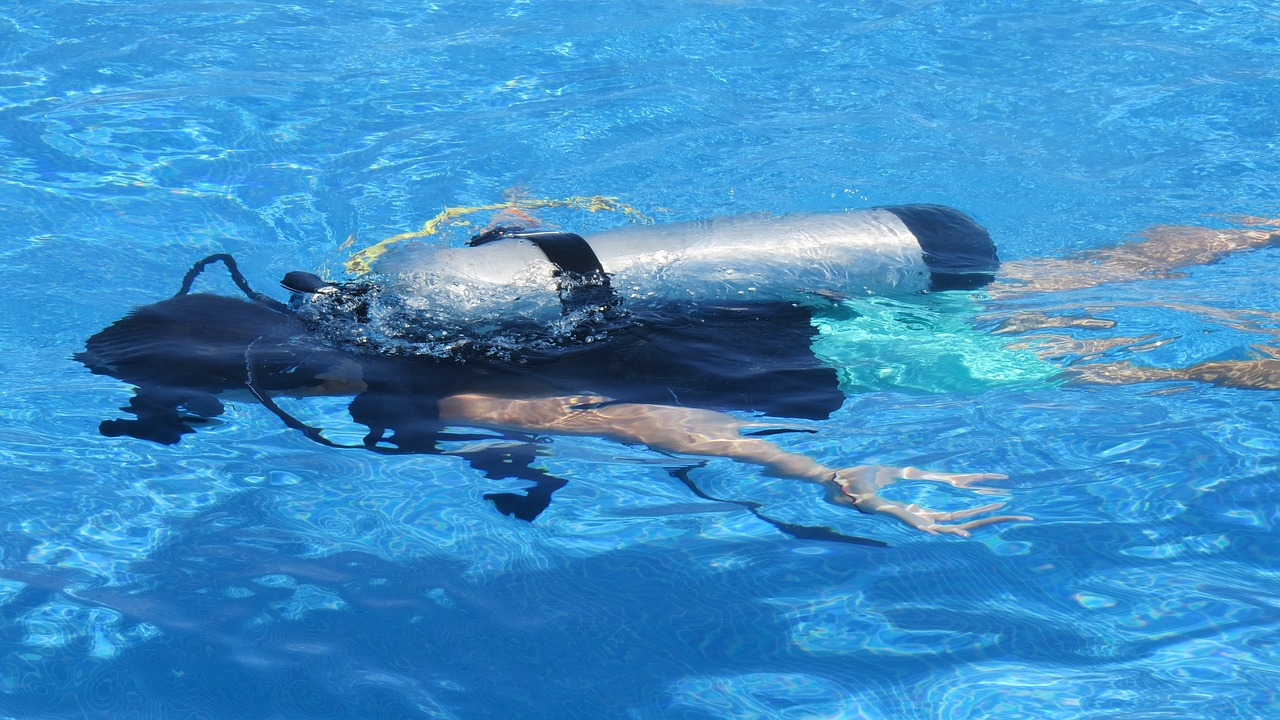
point(868, 479)
point(960, 480)
point(992, 520)
point(963, 529)
point(932, 521)
point(962, 514)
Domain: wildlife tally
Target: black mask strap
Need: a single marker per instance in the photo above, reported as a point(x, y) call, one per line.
point(236, 276)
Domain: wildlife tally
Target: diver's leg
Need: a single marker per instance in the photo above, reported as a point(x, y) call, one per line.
point(703, 432)
point(1163, 250)
point(1262, 374)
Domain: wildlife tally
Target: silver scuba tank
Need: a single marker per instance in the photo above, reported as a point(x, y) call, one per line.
point(902, 249)
point(510, 289)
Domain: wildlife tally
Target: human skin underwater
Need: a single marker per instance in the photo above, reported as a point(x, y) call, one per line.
point(186, 354)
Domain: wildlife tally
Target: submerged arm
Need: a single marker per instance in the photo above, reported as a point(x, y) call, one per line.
point(703, 432)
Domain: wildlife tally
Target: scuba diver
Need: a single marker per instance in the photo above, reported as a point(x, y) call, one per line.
point(647, 335)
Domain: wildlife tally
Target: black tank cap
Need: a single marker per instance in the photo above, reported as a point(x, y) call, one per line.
point(958, 251)
point(304, 282)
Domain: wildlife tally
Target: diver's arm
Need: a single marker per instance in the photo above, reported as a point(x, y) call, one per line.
point(703, 432)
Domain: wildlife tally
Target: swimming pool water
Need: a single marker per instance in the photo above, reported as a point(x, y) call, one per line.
point(248, 572)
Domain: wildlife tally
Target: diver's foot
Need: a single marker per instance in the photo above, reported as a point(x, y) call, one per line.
point(1255, 221)
point(517, 199)
point(514, 216)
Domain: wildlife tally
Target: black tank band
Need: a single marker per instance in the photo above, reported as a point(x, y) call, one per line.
point(567, 251)
point(570, 253)
point(574, 259)
point(959, 252)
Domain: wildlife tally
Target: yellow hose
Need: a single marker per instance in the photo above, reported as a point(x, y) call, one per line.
point(361, 262)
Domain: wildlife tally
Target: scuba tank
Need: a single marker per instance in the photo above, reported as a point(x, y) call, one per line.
point(900, 249)
point(521, 286)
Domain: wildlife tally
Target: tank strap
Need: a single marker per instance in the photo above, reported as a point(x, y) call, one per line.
point(588, 283)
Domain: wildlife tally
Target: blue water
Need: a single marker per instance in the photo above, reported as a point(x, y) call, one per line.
point(248, 572)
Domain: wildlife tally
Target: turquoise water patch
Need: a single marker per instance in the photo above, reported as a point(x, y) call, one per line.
point(925, 343)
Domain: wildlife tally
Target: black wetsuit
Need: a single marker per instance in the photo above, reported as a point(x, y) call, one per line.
point(182, 353)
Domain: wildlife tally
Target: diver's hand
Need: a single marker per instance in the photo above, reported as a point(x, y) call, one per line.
point(857, 487)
